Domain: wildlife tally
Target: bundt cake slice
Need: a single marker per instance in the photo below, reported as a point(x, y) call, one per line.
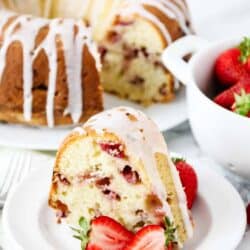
point(48, 71)
point(118, 165)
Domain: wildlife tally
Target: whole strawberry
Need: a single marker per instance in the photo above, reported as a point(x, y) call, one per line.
point(188, 179)
point(233, 64)
point(228, 68)
point(227, 98)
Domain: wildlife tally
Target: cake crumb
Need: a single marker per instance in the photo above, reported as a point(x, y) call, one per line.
point(131, 117)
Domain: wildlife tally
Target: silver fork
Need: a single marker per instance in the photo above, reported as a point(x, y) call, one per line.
point(18, 167)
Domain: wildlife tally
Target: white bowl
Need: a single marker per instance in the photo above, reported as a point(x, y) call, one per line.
point(222, 134)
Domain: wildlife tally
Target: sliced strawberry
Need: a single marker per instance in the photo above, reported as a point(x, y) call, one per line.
point(148, 238)
point(227, 98)
point(189, 180)
point(154, 237)
point(107, 234)
point(228, 68)
point(93, 247)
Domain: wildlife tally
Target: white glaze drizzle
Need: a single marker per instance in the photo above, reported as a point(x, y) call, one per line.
point(28, 28)
point(136, 8)
point(179, 14)
point(143, 145)
point(5, 15)
point(170, 9)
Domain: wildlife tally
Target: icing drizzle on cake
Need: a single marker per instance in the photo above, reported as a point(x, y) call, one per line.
point(174, 10)
point(24, 29)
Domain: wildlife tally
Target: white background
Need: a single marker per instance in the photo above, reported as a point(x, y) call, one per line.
point(220, 19)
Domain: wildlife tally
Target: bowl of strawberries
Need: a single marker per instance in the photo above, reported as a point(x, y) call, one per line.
point(218, 96)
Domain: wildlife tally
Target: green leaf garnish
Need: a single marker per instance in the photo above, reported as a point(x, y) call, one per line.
point(170, 230)
point(82, 233)
point(244, 48)
point(242, 103)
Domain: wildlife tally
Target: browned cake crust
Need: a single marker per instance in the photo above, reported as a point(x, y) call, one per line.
point(12, 85)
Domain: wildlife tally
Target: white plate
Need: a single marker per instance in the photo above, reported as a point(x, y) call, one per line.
point(166, 116)
point(29, 224)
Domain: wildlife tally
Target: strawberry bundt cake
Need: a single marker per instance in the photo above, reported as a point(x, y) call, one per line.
point(48, 71)
point(131, 35)
point(118, 165)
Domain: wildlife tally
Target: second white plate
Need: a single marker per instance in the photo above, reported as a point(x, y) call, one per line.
point(166, 117)
point(28, 222)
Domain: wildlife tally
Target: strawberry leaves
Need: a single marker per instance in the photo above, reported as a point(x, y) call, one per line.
point(244, 48)
point(82, 232)
point(177, 159)
point(169, 233)
point(242, 103)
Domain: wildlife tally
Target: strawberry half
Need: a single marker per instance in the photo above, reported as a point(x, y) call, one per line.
point(154, 237)
point(107, 234)
point(227, 98)
point(188, 179)
point(148, 238)
point(228, 68)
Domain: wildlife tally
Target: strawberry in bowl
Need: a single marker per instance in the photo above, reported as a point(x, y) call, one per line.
point(232, 70)
point(217, 79)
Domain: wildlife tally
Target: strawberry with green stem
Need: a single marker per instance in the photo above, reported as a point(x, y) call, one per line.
point(226, 99)
point(82, 233)
point(233, 64)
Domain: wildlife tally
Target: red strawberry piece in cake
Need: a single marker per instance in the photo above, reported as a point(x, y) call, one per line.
point(131, 176)
point(113, 149)
point(189, 180)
